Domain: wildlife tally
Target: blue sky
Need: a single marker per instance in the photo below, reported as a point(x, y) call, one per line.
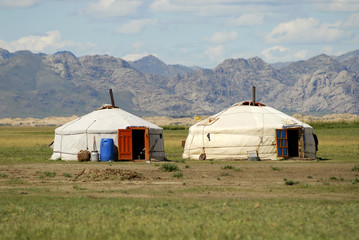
point(189, 32)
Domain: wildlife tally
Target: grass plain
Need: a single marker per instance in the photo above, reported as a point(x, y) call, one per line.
point(42, 199)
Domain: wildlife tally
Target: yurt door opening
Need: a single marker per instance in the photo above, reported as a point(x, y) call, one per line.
point(289, 142)
point(133, 144)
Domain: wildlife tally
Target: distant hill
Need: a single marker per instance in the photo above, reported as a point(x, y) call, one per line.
point(153, 65)
point(348, 56)
point(280, 65)
point(40, 85)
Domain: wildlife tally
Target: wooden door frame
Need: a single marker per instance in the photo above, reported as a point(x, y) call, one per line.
point(147, 143)
point(300, 141)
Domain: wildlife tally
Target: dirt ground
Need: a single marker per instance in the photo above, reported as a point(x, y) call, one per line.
point(255, 180)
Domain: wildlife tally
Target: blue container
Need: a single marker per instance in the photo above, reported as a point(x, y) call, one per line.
point(107, 149)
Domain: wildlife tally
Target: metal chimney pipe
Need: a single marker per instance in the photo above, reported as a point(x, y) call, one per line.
point(254, 96)
point(112, 100)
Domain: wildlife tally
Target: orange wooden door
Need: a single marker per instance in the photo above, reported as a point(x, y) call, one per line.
point(124, 144)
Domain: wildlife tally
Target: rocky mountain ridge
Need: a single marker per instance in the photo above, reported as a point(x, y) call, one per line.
point(40, 85)
point(152, 65)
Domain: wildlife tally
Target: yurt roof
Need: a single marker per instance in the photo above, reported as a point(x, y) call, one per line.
point(105, 120)
point(244, 116)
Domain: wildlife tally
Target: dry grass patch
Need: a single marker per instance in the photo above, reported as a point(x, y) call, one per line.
point(107, 174)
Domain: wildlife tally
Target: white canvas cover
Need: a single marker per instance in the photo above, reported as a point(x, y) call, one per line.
point(86, 132)
point(239, 129)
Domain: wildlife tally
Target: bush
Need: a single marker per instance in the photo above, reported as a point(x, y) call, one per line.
point(290, 182)
point(355, 168)
point(180, 160)
point(178, 174)
point(49, 174)
point(169, 167)
point(336, 179)
point(68, 175)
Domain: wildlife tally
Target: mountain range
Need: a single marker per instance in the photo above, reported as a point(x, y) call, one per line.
point(41, 85)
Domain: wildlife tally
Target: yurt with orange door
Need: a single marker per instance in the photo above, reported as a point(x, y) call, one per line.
point(134, 138)
point(245, 130)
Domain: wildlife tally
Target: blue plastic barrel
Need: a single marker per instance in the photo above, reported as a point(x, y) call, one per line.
point(107, 149)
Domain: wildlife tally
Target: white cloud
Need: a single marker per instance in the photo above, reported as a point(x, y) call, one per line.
point(136, 26)
point(337, 5)
point(49, 43)
point(327, 50)
point(138, 44)
point(111, 8)
point(331, 51)
point(19, 3)
point(184, 50)
point(246, 20)
point(219, 9)
point(204, 8)
point(352, 21)
point(37, 43)
point(215, 53)
point(167, 6)
point(305, 30)
point(283, 54)
point(222, 37)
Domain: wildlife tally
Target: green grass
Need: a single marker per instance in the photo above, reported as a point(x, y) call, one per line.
point(22, 217)
point(36, 154)
point(173, 144)
point(338, 141)
point(27, 213)
point(334, 125)
point(223, 174)
point(231, 167)
point(178, 174)
point(276, 168)
point(25, 144)
point(338, 144)
point(26, 136)
point(67, 175)
point(47, 174)
point(175, 127)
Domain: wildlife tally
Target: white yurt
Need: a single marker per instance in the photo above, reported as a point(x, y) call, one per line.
point(134, 138)
point(244, 131)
